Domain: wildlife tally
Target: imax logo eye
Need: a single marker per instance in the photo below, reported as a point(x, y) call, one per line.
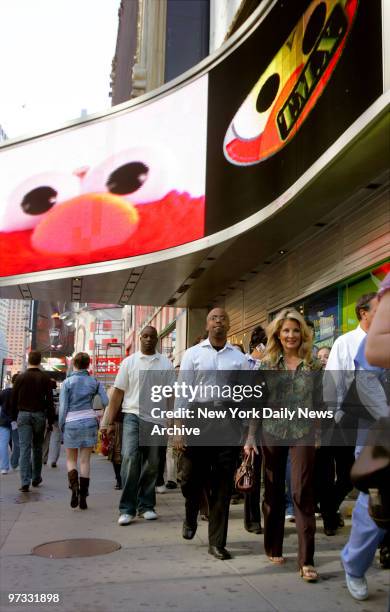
point(291, 85)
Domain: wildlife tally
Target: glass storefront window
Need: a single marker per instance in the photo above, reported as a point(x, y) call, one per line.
point(354, 288)
point(322, 310)
point(168, 344)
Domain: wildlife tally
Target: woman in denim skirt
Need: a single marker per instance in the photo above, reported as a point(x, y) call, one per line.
point(79, 425)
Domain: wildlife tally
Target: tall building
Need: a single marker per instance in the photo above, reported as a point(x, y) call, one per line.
point(15, 333)
point(158, 41)
point(3, 330)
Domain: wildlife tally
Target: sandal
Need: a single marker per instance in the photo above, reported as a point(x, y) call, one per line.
point(277, 560)
point(308, 573)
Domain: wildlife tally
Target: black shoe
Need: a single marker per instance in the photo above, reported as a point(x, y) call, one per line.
point(171, 485)
point(253, 528)
point(118, 486)
point(54, 465)
point(237, 498)
point(330, 531)
point(25, 488)
point(36, 482)
point(189, 531)
point(219, 552)
point(384, 556)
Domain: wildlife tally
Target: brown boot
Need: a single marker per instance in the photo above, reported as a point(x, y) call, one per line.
point(73, 478)
point(84, 484)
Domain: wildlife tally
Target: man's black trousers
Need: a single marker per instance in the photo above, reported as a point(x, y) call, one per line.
point(211, 469)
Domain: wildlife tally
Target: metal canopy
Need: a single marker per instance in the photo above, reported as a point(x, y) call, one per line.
point(198, 277)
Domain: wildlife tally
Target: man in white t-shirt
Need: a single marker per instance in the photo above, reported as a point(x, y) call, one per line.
point(139, 463)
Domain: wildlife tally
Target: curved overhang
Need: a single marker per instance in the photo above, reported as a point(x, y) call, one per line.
point(355, 157)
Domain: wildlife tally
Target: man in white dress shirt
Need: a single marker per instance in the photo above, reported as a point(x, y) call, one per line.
point(339, 456)
point(139, 463)
point(211, 466)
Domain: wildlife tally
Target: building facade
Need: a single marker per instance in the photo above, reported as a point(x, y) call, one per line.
point(321, 271)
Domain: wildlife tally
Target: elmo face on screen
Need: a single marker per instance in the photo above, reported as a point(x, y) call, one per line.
point(126, 186)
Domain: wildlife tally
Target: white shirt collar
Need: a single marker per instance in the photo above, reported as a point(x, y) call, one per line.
point(155, 355)
point(208, 343)
point(359, 330)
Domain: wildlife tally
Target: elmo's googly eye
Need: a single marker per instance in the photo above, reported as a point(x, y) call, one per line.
point(32, 199)
point(140, 175)
point(127, 178)
point(268, 93)
point(313, 28)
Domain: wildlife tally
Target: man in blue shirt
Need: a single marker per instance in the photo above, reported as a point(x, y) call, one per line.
point(359, 552)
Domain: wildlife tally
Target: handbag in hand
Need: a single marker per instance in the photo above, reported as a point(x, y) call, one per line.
point(245, 477)
point(371, 472)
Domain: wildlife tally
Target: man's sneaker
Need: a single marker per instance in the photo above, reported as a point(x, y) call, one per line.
point(36, 482)
point(149, 515)
point(357, 587)
point(4, 472)
point(25, 488)
point(171, 484)
point(53, 465)
point(125, 519)
point(161, 489)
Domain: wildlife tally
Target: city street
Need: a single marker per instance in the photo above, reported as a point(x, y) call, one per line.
point(155, 569)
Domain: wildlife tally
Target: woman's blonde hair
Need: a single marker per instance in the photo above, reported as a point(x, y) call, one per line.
point(274, 348)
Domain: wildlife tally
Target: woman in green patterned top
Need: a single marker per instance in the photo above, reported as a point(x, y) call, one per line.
point(293, 380)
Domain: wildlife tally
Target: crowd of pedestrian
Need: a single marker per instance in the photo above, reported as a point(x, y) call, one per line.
point(289, 455)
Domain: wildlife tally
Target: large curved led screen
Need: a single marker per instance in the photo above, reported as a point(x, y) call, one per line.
point(198, 159)
point(125, 185)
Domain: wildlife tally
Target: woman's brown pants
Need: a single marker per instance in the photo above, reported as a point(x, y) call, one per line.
point(302, 472)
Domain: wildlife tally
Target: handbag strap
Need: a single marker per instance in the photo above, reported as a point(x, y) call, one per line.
point(249, 458)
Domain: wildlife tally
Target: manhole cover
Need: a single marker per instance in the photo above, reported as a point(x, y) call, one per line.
point(78, 547)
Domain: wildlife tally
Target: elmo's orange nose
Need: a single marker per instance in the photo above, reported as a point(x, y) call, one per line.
point(87, 223)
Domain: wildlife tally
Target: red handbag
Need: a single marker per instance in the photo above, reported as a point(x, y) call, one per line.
point(104, 444)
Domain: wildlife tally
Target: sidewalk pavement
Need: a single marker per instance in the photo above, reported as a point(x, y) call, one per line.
point(156, 570)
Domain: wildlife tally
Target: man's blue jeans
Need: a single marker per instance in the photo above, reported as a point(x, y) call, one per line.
point(139, 470)
point(5, 434)
point(31, 428)
point(365, 536)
